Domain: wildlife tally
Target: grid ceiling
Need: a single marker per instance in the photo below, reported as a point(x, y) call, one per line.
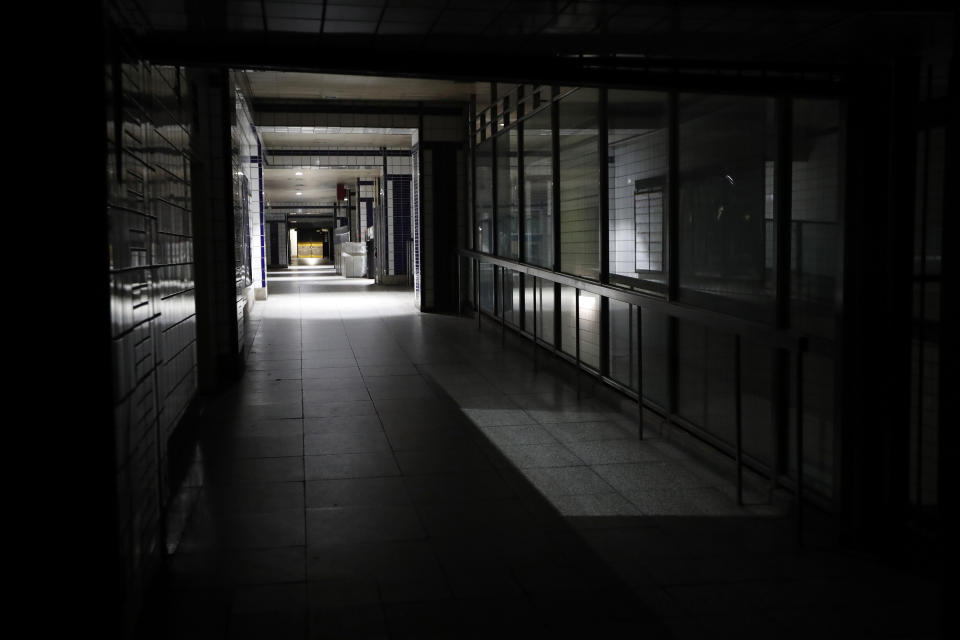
point(705, 30)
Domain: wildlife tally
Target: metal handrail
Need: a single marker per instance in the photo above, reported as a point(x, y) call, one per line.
point(789, 340)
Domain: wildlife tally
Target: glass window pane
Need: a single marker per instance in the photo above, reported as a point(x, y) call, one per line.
point(590, 329)
point(705, 383)
point(691, 371)
point(568, 320)
point(545, 311)
point(511, 297)
point(818, 429)
point(727, 147)
point(815, 213)
point(529, 295)
point(486, 287)
point(637, 184)
point(484, 201)
point(756, 370)
point(508, 204)
point(623, 343)
point(654, 351)
point(538, 189)
point(579, 185)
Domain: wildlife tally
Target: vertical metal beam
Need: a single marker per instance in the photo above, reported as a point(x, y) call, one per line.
point(947, 449)
point(604, 231)
point(799, 445)
point(555, 135)
point(673, 363)
point(738, 411)
point(557, 324)
point(673, 198)
point(782, 208)
point(472, 239)
point(495, 195)
point(604, 187)
point(521, 177)
point(503, 306)
point(494, 141)
point(782, 220)
point(922, 302)
point(476, 278)
point(383, 232)
point(604, 336)
point(639, 353)
point(535, 364)
point(576, 333)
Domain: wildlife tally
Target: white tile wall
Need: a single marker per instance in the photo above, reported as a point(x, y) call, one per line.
point(640, 157)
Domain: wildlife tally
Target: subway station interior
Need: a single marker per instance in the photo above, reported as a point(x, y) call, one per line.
point(581, 318)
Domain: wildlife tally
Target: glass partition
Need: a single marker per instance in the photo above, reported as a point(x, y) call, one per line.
point(486, 287)
point(538, 189)
point(623, 343)
point(484, 197)
point(545, 311)
point(590, 329)
point(637, 149)
point(508, 204)
point(727, 148)
point(579, 185)
point(568, 320)
point(511, 297)
point(815, 215)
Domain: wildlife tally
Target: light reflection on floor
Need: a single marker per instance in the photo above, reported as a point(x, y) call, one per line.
point(581, 453)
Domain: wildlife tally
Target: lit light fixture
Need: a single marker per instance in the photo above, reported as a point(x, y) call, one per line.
point(299, 173)
point(299, 193)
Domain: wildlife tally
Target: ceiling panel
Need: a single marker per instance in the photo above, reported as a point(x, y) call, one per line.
point(315, 185)
point(340, 140)
point(324, 86)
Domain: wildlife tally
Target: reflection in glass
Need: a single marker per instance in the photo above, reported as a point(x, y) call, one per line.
point(815, 214)
point(727, 147)
point(637, 180)
point(579, 185)
point(654, 344)
point(529, 297)
point(705, 380)
point(508, 204)
point(486, 287)
point(568, 320)
point(484, 202)
point(511, 297)
point(545, 310)
point(538, 189)
point(623, 343)
point(590, 329)
point(818, 429)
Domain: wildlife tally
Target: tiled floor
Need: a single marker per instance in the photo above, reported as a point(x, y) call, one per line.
point(381, 473)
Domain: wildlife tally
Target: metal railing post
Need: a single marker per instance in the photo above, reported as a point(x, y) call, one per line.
point(799, 452)
point(739, 416)
point(639, 352)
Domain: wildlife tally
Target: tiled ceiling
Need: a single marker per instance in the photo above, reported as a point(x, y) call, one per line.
point(272, 85)
point(316, 185)
point(555, 41)
point(331, 141)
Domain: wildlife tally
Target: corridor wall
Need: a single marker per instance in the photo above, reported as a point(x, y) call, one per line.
point(153, 309)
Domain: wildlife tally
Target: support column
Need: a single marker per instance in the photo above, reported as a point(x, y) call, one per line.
point(875, 342)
